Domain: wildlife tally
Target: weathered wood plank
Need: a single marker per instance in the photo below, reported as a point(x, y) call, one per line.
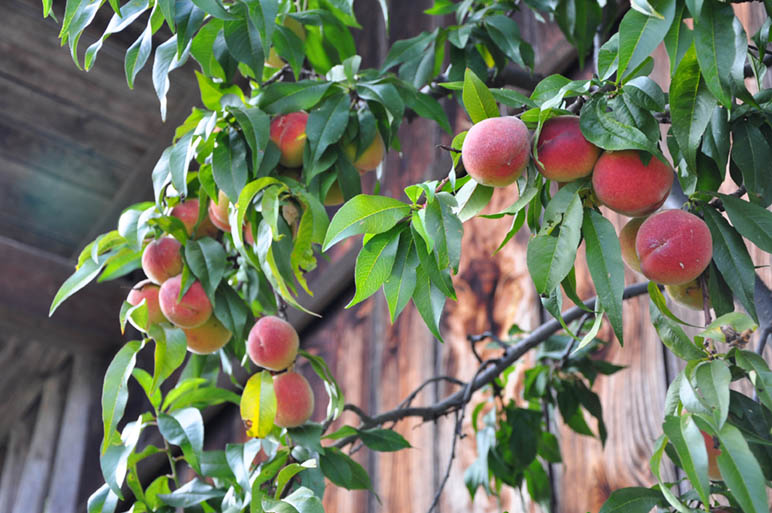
point(26, 200)
point(37, 465)
point(28, 282)
point(73, 437)
point(16, 447)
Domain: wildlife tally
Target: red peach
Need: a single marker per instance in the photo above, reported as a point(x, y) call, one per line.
point(288, 132)
point(564, 153)
point(148, 291)
point(218, 212)
point(712, 446)
point(627, 243)
point(496, 151)
point(193, 310)
point(294, 399)
point(272, 343)
point(187, 212)
point(370, 158)
point(625, 185)
point(162, 259)
point(207, 338)
point(674, 247)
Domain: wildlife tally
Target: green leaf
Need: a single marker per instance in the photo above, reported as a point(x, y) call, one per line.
point(364, 214)
point(506, 35)
point(170, 351)
point(208, 261)
point(374, 263)
point(640, 34)
point(191, 493)
point(673, 336)
point(645, 93)
point(383, 440)
point(579, 20)
point(325, 126)
point(286, 97)
point(741, 471)
point(114, 391)
point(759, 374)
point(246, 196)
point(632, 500)
point(243, 41)
point(165, 61)
point(343, 471)
point(679, 38)
point(605, 131)
point(427, 107)
point(604, 259)
point(184, 428)
point(478, 100)
point(288, 473)
point(429, 301)
point(550, 258)
point(137, 54)
point(714, 40)
point(337, 401)
point(255, 126)
point(304, 501)
point(691, 107)
point(731, 257)
point(258, 405)
point(472, 198)
point(711, 383)
point(658, 298)
point(690, 446)
point(215, 8)
point(400, 285)
point(79, 279)
point(103, 500)
point(114, 460)
point(751, 152)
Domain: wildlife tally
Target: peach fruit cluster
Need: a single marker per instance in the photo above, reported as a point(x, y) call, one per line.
point(273, 344)
point(671, 247)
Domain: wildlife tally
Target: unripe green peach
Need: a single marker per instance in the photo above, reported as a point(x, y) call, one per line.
point(148, 291)
point(674, 247)
point(625, 185)
point(627, 243)
point(334, 195)
point(687, 294)
point(218, 212)
point(294, 399)
point(193, 310)
point(288, 132)
point(162, 259)
point(496, 151)
point(207, 338)
point(272, 343)
point(295, 26)
point(564, 153)
point(187, 212)
point(370, 158)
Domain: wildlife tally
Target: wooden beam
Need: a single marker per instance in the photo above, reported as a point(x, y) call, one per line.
point(37, 466)
point(15, 452)
point(29, 279)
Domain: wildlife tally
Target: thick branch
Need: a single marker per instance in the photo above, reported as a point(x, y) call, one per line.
point(458, 399)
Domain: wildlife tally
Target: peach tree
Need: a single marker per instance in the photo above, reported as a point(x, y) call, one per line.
point(289, 123)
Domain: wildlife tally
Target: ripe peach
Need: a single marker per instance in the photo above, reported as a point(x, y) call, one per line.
point(272, 343)
point(627, 242)
point(294, 399)
point(148, 291)
point(187, 212)
point(496, 151)
point(564, 153)
point(193, 310)
point(626, 186)
point(674, 247)
point(288, 132)
point(162, 259)
point(207, 338)
point(712, 446)
point(687, 294)
point(248, 237)
point(370, 158)
point(218, 212)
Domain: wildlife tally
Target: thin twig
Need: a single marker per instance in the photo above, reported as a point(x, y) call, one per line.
point(719, 205)
point(705, 298)
point(763, 336)
point(448, 148)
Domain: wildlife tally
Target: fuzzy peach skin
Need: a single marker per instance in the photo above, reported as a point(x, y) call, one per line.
point(625, 185)
point(627, 242)
point(162, 259)
point(674, 247)
point(272, 343)
point(193, 310)
point(294, 399)
point(564, 153)
point(148, 291)
point(187, 212)
point(218, 212)
point(496, 151)
point(370, 158)
point(288, 132)
point(687, 294)
point(207, 338)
